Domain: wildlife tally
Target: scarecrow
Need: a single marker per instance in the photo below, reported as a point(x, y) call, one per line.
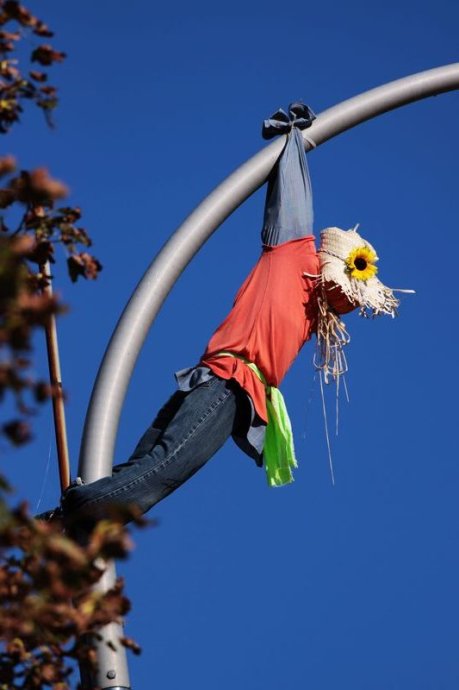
point(292, 293)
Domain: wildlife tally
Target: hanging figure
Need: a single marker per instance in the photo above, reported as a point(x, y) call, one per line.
point(292, 292)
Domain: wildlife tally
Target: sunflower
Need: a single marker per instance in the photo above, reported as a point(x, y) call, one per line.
point(361, 263)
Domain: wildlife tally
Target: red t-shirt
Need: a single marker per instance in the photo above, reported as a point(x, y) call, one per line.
point(273, 315)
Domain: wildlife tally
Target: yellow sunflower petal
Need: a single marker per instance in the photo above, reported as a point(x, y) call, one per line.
point(361, 263)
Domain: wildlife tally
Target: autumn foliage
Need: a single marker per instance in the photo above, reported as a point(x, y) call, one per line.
point(50, 613)
point(17, 86)
point(32, 226)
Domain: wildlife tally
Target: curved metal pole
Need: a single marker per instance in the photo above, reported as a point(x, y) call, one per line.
point(110, 388)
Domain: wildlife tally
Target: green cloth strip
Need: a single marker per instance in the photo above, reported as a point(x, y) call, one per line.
point(278, 449)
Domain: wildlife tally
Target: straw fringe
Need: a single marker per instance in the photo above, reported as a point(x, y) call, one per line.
point(371, 296)
point(332, 337)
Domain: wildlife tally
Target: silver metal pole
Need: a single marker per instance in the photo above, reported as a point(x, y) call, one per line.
point(111, 384)
point(112, 671)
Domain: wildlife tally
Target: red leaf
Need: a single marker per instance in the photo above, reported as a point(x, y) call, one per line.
point(41, 29)
point(46, 55)
point(38, 188)
point(17, 431)
point(7, 165)
point(38, 76)
point(18, 12)
point(83, 265)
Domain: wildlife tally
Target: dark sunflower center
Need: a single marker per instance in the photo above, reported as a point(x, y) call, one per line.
point(360, 263)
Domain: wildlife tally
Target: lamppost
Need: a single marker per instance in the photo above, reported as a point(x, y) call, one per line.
point(115, 372)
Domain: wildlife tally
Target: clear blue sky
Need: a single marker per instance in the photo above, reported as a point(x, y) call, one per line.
point(310, 586)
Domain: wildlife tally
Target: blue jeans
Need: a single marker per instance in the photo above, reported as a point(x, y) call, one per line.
point(186, 433)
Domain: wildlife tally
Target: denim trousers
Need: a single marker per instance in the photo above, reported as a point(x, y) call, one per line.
point(186, 433)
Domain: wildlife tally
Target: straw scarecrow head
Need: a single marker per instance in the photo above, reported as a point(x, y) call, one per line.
point(348, 280)
point(348, 269)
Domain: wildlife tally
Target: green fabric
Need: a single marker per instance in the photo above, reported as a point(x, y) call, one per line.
point(278, 450)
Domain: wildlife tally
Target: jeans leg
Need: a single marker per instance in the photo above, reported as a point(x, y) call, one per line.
point(186, 433)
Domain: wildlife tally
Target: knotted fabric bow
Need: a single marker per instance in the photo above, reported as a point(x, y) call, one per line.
point(299, 115)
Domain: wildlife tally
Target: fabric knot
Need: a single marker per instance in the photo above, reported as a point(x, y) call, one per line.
point(299, 115)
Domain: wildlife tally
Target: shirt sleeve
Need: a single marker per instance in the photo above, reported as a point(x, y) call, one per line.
point(288, 208)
